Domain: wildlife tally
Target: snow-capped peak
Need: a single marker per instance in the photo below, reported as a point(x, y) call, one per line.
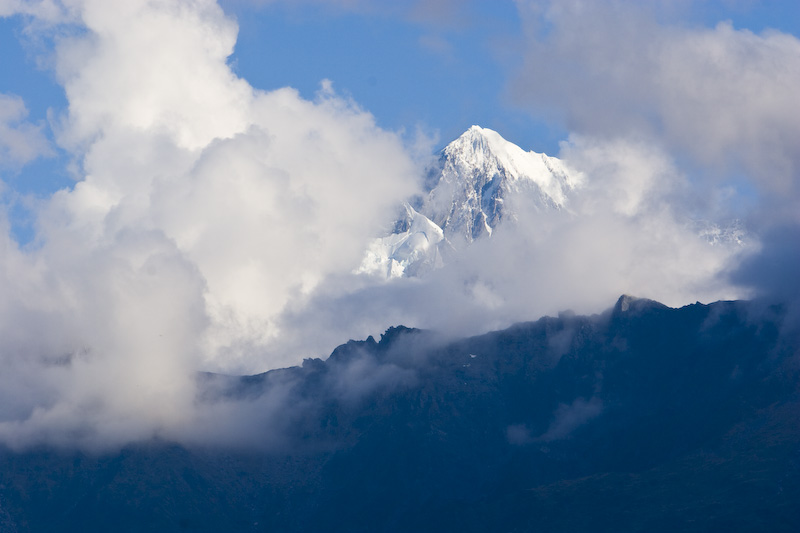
point(413, 248)
point(486, 151)
point(478, 180)
point(477, 172)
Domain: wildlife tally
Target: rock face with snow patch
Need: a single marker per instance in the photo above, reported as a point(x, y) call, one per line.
point(470, 190)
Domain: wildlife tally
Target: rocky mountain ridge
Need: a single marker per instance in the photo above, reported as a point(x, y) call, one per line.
point(642, 418)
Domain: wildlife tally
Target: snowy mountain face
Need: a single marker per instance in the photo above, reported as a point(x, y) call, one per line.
point(732, 233)
point(478, 173)
point(470, 190)
point(414, 248)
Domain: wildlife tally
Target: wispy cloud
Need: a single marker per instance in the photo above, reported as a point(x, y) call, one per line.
point(20, 141)
point(722, 97)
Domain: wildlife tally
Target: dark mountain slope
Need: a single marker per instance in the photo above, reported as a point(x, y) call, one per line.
point(645, 418)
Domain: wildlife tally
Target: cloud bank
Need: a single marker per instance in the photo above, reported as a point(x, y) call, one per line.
point(216, 227)
point(203, 207)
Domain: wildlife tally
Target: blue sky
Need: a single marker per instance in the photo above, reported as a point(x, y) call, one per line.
point(440, 71)
point(408, 73)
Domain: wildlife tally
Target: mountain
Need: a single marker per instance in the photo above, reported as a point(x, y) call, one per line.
point(478, 182)
point(475, 184)
point(642, 418)
point(415, 247)
point(477, 175)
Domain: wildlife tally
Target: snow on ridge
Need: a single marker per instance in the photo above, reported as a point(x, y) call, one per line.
point(732, 233)
point(479, 181)
point(475, 176)
point(487, 151)
point(412, 251)
point(478, 173)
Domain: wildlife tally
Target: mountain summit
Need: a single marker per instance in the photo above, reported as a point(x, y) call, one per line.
point(473, 186)
point(478, 173)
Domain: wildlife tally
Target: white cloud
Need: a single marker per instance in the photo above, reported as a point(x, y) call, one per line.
point(204, 208)
point(157, 67)
point(722, 97)
point(20, 141)
point(720, 101)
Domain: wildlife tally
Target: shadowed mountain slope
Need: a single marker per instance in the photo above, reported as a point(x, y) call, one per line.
point(644, 418)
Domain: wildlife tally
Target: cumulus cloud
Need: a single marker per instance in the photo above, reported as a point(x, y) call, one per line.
point(203, 207)
point(98, 342)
